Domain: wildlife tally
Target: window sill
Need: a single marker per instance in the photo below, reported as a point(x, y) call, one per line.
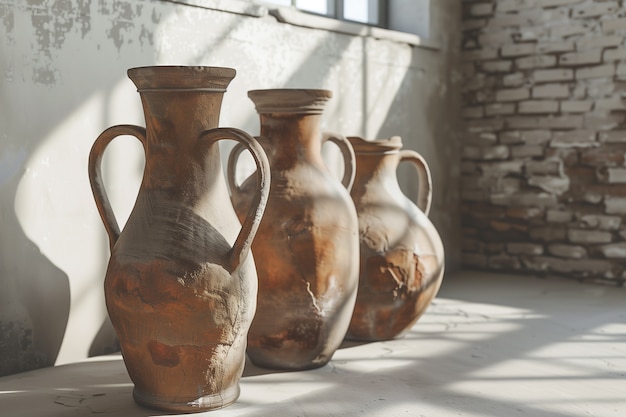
point(297, 18)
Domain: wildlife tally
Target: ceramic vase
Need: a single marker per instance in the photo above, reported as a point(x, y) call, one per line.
point(401, 253)
point(181, 285)
point(307, 246)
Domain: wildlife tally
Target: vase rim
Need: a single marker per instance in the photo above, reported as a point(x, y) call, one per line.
point(290, 100)
point(386, 145)
point(181, 78)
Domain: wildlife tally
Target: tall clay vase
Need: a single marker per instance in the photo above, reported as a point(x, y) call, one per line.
point(402, 257)
point(307, 246)
point(180, 285)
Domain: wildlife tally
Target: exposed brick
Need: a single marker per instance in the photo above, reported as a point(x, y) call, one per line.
point(602, 157)
point(574, 139)
point(610, 25)
point(544, 122)
point(538, 106)
point(499, 109)
point(615, 205)
point(550, 184)
point(589, 236)
point(548, 233)
point(524, 248)
point(614, 54)
point(512, 94)
point(555, 46)
point(567, 251)
point(593, 56)
point(503, 262)
point(576, 106)
point(473, 112)
point(524, 213)
point(599, 71)
point(524, 199)
point(517, 49)
point(536, 61)
point(614, 250)
point(594, 9)
point(551, 91)
point(527, 151)
point(574, 267)
point(558, 216)
point(613, 136)
point(551, 75)
point(567, 156)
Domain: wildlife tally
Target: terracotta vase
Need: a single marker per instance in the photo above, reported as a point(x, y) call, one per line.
point(307, 247)
point(402, 257)
point(180, 285)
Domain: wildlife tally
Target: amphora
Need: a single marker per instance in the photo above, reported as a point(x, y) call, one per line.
point(307, 246)
point(180, 285)
point(401, 253)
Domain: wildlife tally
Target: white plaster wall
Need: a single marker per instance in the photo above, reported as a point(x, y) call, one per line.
point(63, 80)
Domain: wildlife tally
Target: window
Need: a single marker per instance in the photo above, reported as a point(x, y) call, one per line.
point(412, 16)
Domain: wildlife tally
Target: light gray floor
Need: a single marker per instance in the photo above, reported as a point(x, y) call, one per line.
point(489, 346)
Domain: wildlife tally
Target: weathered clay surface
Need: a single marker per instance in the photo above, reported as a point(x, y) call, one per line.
point(180, 289)
point(402, 257)
point(306, 249)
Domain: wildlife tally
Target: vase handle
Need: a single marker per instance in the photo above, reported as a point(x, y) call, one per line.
point(424, 192)
point(250, 225)
point(95, 175)
point(349, 160)
point(231, 168)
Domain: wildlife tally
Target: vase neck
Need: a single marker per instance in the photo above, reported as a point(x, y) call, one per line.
point(292, 138)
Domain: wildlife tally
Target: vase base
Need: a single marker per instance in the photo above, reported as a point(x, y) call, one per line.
point(204, 403)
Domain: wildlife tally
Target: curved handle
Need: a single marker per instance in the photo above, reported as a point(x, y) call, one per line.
point(424, 192)
point(231, 168)
point(95, 175)
point(250, 225)
point(347, 152)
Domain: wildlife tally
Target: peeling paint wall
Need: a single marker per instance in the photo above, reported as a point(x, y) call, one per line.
point(63, 80)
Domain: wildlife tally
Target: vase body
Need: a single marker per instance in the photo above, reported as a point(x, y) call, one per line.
point(401, 253)
point(180, 289)
point(306, 250)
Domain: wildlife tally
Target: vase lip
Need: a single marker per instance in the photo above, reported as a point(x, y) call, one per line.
point(181, 78)
point(290, 100)
point(386, 145)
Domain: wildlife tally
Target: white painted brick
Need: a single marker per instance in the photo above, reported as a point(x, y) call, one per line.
point(593, 56)
point(544, 122)
point(530, 34)
point(511, 137)
point(569, 29)
point(554, 3)
point(603, 120)
point(611, 103)
point(543, 167)
point(536, 61)
point(473, 112)
point(594, 9)
point(599, 71)
point(549, 75)
point(514, 79)
point(485, 153)
point(473, 24)
point(505, 6)
point(575, 139)
point(615, 205)
point(589, 236)
point(567, 251)
point(613, 136)
point(558, 216)
point(551, 91)
point(480, 54)
point(524, 248)
point(614, 54)
point(576, 106)
point(536, 137)
point(620, 73)
point(599, 88)
point(538, 106)
point(527, 151)
point(495, 109)
point(601, 222)
point(515, 19)
point(616, 175)
point(598, 42)
point(484, 125)
point(517, 49)
point(495, 38)
point(512, 94)
point(614, 250)
point(555, 46)
point(551, 184)
point(610, 25)
point(481, 9)
point(496, 66)
point(580, 91)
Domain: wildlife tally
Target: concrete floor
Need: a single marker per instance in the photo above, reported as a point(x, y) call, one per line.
point(489, 346)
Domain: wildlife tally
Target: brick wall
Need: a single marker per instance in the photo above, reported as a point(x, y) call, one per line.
point(544, 145)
